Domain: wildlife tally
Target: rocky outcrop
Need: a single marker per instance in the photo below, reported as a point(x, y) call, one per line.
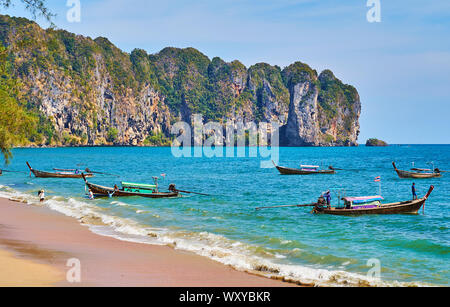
point(339, 111)
point(376, 143)
point(322, 111)
point(95, 94)
point(302, 128)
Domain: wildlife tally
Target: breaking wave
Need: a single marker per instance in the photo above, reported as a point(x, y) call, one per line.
point(241, 256)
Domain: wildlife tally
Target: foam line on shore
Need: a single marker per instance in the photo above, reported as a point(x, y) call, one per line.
point(241, 256)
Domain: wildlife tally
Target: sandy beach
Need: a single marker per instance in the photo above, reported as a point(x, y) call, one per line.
point(36, 244)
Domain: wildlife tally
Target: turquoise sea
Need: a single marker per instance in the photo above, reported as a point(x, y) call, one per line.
point(290, 242)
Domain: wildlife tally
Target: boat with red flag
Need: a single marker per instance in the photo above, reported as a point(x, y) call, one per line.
point(372, 205)
point(364, 205)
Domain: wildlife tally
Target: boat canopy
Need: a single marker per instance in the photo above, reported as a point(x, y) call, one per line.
point(421, 170)
point(363, 200)
point(310, 166)
point(138, 185)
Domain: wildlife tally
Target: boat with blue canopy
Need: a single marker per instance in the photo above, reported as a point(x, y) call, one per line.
point(363, 202)
point(304, 170)
point(371, 205)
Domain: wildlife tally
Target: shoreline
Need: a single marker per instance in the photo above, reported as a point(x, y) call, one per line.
point(43, 240)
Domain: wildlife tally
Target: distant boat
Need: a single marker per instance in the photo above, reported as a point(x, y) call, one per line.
point(131, 189)
point(372, 205)
point(418, 173)
point(42, 174)
point(305, 170)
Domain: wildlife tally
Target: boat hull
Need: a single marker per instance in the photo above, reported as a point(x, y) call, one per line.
point(407, 207)
point(406, 175)
point(294, 171)
point(415, 175)
point(105, 191)
point(40, 174)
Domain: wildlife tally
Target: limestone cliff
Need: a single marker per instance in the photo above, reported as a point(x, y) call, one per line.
point(92, 93)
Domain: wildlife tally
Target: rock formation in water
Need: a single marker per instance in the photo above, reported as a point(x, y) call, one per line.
point(376, 143)
point(88, 92)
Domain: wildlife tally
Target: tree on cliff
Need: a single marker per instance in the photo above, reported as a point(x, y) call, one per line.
point(16, 124)
point(36, 7)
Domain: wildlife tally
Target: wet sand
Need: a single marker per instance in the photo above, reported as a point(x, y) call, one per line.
point(36, 244)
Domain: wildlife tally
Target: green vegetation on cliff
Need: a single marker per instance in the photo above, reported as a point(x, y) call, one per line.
point(84, 91)
point(298, 73)
point(16, 123)
point(157, 139)
point(266, 82)
point(332, 90)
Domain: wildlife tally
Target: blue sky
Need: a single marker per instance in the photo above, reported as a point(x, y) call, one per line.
point(400, 66)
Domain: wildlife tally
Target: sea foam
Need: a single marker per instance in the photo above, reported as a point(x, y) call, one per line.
point(241, 256)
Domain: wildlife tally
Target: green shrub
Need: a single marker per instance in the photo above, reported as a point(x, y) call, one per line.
point(112, 135)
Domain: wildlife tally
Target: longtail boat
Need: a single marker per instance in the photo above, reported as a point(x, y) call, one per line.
point(418, 173)
point(372, 205)
point(42, 174)
point(131, 189)
point(86, 171)
point(305, 170)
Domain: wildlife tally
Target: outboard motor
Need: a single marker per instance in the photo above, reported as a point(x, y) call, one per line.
point(321, 201)
point(319, 207)
point(172, 187)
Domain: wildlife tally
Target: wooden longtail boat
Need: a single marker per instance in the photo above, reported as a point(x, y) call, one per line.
point(131, 189)
point(41, 174)
point(305, 170)
point(405, 207)
point(417, 173)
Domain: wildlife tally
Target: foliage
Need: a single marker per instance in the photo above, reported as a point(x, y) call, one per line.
point(36, 7)
point(157, 139)
point(269, 87)
point(183, 77)
point(187, 81)
point(143, 69)
point(333, 93)
point(328, 139)
point(15, 123)
point(298, 73)
point(112, 135)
